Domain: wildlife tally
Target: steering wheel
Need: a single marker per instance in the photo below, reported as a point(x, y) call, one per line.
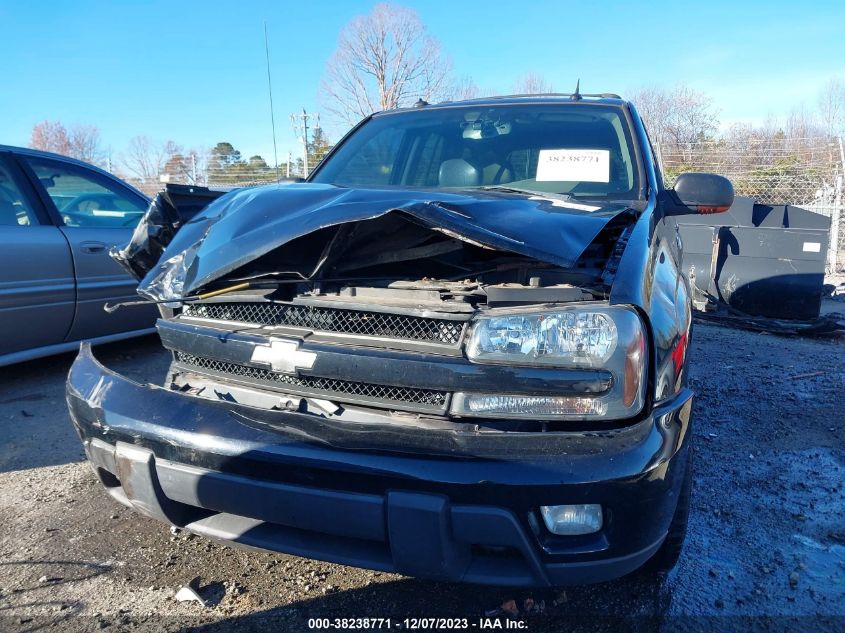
point(75, 219)
point(71, 218)
point(72, 215)
point(73, 205)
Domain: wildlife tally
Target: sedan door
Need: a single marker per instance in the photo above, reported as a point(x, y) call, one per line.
point(37, 294)
point(96, 212)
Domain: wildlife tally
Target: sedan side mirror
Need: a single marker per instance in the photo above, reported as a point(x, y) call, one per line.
point(704, 193)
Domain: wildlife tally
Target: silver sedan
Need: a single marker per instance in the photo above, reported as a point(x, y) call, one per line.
point(58, 219)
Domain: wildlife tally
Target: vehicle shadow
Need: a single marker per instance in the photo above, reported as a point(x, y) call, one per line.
point(41, 593)
point(637, 602)
point(56, 572)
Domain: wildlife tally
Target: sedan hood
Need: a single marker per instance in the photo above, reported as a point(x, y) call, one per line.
point(245, 224)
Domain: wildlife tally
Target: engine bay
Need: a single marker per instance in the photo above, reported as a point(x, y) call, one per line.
point(397, 262)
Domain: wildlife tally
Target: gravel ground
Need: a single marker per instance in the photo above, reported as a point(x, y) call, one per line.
point(766, 548)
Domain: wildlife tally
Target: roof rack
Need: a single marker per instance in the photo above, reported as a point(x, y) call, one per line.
point(571, 95)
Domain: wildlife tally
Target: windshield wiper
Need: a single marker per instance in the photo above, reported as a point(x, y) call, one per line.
point(532, 192)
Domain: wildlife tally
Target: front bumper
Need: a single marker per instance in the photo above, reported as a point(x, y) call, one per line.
point(370, 498)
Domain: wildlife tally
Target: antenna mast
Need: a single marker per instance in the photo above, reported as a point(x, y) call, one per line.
point(270, 91)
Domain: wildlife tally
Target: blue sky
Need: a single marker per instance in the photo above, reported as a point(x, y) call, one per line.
point(194, 72)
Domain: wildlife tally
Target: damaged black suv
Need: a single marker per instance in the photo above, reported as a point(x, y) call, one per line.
point(458, 351)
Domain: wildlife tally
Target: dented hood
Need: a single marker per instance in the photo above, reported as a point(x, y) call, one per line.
point(248, 223)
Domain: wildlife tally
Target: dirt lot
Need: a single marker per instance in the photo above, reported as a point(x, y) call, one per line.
point(766, 547)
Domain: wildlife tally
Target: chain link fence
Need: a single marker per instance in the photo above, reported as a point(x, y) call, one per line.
point(773, 169)
point(210, 169)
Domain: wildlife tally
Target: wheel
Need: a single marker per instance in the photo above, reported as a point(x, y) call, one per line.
point(667, 556)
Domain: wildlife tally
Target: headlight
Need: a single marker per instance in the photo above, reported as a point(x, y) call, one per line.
point(584, 337)
point(564, 338)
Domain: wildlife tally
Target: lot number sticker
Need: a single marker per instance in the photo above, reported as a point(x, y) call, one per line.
point(576, 165)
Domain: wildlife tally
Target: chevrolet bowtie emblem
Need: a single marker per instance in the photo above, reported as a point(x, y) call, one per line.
point(283, 356)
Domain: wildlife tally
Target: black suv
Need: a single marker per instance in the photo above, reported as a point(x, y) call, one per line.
point(457, 351)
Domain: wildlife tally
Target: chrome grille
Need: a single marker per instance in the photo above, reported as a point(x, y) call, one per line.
point(326, 387)
point(362, 323)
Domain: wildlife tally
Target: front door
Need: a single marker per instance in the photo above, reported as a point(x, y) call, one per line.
point(97, 212)
point(37, 294)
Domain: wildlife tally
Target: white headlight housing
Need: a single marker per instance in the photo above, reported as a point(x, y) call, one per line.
point(579, 336)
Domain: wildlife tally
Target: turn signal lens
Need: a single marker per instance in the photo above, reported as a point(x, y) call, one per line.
point(527, 406)
point(633, 371)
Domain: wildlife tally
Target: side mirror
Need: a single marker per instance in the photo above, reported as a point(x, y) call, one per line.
point(704, 193)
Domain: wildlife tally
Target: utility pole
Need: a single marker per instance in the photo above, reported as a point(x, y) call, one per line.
point(288, 166)
point(299, 122)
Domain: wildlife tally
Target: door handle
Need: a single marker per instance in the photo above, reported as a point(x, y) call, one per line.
point(93, 247)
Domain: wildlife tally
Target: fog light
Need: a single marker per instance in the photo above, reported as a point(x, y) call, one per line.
point(571, 520)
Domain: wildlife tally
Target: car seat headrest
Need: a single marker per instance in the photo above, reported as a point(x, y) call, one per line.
point(456, 172)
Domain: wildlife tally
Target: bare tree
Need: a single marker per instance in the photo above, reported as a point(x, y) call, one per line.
point(654, 105)
point(465, 88)
point(832, 107)
point(176, 167)
point(383, 60)
point(145, 158)
point(677, 119)
point(746, 146)
point(691, 118)
point(82, 141)
point(802, 123)
point(85, 143)
point(532, 84)
point(50, 136)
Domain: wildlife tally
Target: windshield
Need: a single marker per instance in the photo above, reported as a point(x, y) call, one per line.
point(580, 150)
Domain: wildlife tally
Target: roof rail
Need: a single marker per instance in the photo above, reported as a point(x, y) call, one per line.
point(599, 95)
point(573, 96)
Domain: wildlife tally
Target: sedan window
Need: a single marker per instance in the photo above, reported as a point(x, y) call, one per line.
point(84, 198)
point(15, 209)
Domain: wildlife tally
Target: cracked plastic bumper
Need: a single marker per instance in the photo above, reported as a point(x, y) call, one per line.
point(203, 466)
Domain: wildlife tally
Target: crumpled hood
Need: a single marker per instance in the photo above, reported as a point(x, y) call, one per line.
point(245, 224)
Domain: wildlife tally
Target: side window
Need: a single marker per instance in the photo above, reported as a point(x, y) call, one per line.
point(425, 163)
point(86, 198)
point(373, 163)
point(524, 164)
point(15, 209)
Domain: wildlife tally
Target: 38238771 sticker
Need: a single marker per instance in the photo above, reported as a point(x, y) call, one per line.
point(573, 165)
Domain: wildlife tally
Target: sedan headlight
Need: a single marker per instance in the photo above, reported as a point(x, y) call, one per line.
point(607, 339)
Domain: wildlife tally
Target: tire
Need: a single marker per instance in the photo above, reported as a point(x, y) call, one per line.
point(667, 556)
